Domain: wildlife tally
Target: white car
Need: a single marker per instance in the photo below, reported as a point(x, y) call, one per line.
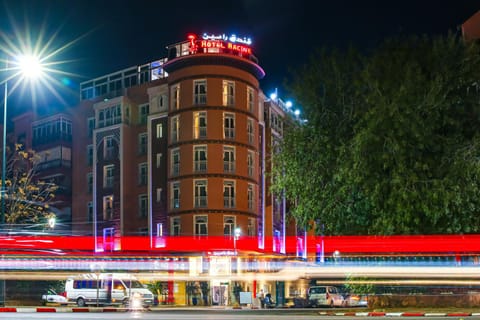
point(52, 297)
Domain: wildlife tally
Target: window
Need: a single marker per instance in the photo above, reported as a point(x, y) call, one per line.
point(159, 130)
point(175, 226)
point(89, 154)
point(200, 160)
point(251, 227)
point(108, 148)
point(250, 130)
point(107, 208)
point(229, 125)
point(229, 159)
point(175, 195)
point(90, 211)
point(143, 111)
point(228, 93)
point(108, 176)
point(142, 143)
point(90, 126)
point(142, 174)
point(201, 225)
point(200, 91)
point(89, 182)
point(176, 97)
point(228, 225)
point(229, 194)
point(175, 162)
point(159, 160)
point(159, 229)
point(250, 102)
point(200, 193)
point(159, 194)
point(142, 205)
point(250, 163)
point(199, 125)
point(251, 196)
point(110, 116)
point(175, 128)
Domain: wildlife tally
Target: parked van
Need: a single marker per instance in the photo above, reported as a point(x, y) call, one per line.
point(324, 296)
point(107, 288)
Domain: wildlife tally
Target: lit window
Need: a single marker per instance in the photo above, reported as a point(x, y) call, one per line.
point(175, 97)
point(175, 128)
point(228, 93)
point(200, 125)
point(159, 160)
point(159, 130)
point(159, 194)
point(107, 208)
point(200, 91)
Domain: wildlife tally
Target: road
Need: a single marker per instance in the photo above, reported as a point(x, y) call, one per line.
point(201, 314)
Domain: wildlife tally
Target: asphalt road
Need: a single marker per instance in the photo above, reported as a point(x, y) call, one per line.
point(201, 314)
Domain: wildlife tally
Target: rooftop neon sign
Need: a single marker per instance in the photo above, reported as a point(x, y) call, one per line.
point(221, 42)
point(233, 38)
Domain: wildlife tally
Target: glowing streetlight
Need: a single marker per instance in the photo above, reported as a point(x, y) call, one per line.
point(236, 234)
point(30, 67)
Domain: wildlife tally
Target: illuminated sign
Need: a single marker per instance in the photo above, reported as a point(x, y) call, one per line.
point(233, 38)
point(221, 42)
point(225, 45)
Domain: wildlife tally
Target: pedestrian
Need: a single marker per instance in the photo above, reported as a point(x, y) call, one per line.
point(261, 297)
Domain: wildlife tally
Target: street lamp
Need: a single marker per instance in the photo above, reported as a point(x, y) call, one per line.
point(236, 234)
point(29, 67)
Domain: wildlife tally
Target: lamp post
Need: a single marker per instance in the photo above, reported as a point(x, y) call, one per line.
point(29, 67)
point(236, 235)
point(4, 147)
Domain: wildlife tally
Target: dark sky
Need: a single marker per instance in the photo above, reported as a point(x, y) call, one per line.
point(116, 34)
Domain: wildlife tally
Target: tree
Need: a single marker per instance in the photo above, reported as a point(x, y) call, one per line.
point(392, 140)
point(27, 198)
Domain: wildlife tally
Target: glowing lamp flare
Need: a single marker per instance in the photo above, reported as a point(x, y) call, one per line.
point(30, 66)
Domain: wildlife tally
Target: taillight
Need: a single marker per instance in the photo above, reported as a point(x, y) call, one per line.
point(64, 294)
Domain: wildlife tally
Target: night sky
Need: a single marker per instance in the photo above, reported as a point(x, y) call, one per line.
point(116, 34)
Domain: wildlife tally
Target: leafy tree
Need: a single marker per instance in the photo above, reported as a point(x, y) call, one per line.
point(392, 140)
point(27, 198)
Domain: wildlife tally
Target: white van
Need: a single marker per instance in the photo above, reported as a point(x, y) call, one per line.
point(324, 296)
point(107, 288)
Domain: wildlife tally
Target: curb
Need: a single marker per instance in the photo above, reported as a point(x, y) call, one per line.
point(398, 314)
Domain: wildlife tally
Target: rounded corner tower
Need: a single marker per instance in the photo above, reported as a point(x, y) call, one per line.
point(214, 140)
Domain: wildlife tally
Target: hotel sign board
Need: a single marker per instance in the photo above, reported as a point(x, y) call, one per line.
point(221, 43)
